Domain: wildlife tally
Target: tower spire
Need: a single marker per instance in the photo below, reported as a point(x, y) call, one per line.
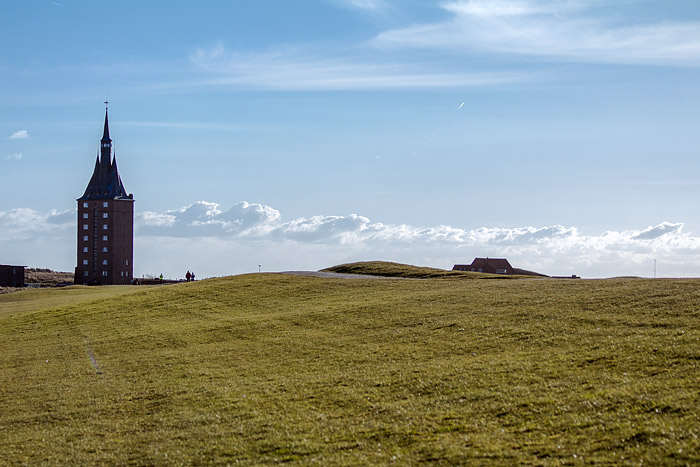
point(106, 143)
point(105, 133)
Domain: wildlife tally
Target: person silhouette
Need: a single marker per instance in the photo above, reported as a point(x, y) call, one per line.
point(188, 276)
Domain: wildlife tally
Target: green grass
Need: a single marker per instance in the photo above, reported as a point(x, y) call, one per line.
point(37, 300)
point(268, 368)
point(405, 271)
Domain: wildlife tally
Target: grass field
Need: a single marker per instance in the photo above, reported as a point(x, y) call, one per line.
point(267, 368)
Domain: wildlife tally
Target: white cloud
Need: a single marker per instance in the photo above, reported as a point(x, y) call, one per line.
point(214, 241)
point(206, 126)
point(550, 249)
point(370, 5)
point(19, 134)
point(206, 219)
point(292, 69)
point(23, 223)
point(559, 30)
point(14, 157)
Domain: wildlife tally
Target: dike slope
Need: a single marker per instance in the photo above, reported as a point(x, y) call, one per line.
point(269, 368)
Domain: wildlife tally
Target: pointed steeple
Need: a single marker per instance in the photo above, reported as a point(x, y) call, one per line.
point(105, 133)
point(106, 144)
point(105, 182)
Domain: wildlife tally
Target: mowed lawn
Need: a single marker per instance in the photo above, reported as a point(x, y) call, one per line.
point(267, 368)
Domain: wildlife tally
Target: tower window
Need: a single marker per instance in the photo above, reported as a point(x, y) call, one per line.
point(85, 273)
point(104, 249)
point(85, 205)
point(85, 262)
point(104, 227)
point(85, 238)
point(127, 262)
point(104, 262)
point(104, 273)
point(85, 215)
point(85, 227)
point(85, 249)
point(105, 215)
point(105, 204)
point(105, 238)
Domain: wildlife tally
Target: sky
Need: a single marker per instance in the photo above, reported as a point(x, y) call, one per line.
point(278, 135)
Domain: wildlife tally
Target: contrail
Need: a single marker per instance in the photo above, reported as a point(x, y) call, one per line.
point(437, 132)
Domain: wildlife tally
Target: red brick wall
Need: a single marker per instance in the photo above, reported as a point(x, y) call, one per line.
point(116, 264)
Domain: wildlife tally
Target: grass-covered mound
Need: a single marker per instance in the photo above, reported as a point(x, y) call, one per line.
point(406, 271)
point(267, 368)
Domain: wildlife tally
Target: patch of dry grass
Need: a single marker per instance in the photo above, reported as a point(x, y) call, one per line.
point(46, 277)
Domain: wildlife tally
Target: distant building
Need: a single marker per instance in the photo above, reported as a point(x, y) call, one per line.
point(487, 265)
point(494, 266)
point(11, 276)
point(105, 224)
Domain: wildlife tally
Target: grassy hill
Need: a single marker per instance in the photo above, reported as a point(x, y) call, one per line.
point(405, 271)
point(266, 368)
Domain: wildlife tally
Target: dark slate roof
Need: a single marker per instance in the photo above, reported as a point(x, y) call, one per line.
point(496, 263)
point(105, 182)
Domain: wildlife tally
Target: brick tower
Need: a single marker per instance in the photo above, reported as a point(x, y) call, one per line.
point(105, 224)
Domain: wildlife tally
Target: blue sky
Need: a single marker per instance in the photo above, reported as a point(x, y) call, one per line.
point(562, 135)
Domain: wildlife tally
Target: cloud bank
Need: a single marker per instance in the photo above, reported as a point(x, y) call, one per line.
point(551, 29)
point(297, 70)
point(214, 241)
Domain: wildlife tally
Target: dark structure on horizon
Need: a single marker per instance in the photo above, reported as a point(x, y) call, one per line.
point(494, 266)
point(105, 223)
point(11, 276)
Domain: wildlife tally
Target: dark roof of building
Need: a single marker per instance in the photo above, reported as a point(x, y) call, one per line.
point(496, 263)
point(105, 182)
point(525, 272)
